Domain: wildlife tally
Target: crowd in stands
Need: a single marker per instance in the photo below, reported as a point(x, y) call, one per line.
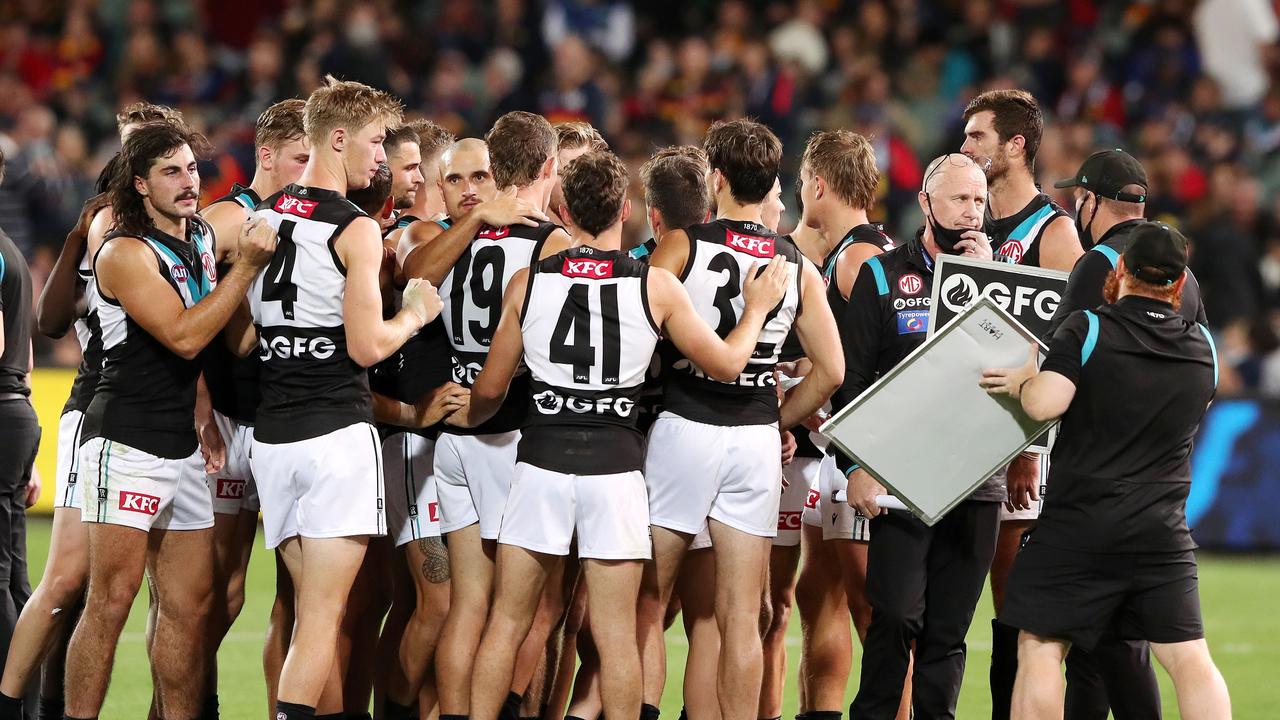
point(1188, 86)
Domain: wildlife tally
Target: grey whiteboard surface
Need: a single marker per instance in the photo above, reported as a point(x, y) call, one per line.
point(926, 430)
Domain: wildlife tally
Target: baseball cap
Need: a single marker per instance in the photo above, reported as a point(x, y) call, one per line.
point(1156, 254)
point(1106, 172)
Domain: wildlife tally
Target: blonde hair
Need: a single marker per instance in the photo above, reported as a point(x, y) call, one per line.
point(575, 134)
point(347, 104)
point(847, 162)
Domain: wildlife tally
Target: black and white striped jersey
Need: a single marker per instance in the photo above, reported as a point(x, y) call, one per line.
point(472, 294)
point(310, 385)
point(720, 254)
point(589, 336)
point(89, 335)
point(146, 393)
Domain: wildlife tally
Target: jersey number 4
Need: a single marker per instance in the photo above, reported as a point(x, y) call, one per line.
point(576, 318)
point(278, 285)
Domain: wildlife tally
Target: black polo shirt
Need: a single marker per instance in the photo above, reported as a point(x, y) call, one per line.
point(15, 306)
point(1121, 467)
point(1089, 276)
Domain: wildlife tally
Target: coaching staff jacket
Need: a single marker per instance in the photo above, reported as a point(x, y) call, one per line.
point(886, 319)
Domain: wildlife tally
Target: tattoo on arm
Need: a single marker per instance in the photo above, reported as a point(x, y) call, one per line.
point(435, 564)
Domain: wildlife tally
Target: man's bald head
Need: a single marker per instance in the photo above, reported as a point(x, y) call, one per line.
point(954, 193)
point(466, 179)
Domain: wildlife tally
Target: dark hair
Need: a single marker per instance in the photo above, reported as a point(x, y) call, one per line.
point(150, 142)
point(373, 198)
point(674, 182)
point(595, 187)
point(398, 136)
point(432, 139)
point(279, 124)
point(749, 156)
point(1015, 112)
point(519, 143)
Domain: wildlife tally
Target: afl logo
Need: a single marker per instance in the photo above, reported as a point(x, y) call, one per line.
point(910, 284)
point(179, 273)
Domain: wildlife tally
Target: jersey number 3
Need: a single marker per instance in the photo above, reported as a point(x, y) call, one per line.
point(576, 318)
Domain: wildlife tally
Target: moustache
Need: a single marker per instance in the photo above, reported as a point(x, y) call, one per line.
point(188, 195)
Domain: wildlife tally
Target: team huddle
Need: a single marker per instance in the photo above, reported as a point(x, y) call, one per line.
point(494, 450)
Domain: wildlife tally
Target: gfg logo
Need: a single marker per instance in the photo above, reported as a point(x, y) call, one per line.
point(139, 503)
point(960, 290)
point(915, 302)
point(551, 403)
point(465, 374)
point(284, 348)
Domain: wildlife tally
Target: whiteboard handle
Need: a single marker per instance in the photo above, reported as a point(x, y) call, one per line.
point(887, 502)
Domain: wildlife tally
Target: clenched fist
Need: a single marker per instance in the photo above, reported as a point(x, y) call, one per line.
point(421, 298)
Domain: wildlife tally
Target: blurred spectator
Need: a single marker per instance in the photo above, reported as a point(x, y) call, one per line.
point(607, 25)
point(1234, 37)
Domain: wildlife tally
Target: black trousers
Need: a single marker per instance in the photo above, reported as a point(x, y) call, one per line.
point(19, 440)
point(923, 584)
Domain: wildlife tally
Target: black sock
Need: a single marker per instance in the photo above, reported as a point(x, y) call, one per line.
point(511, 708)
point(294, 711)
point(50, 709)
point(72, 717)
point(351, 716)
point(684, 713)
point(10, 707)
point(392, 710)
point(802, 716)
point(455, 717)
point(823, 715)
point(649, 712)
point(573, 717)
point(777, 717)
point(1004, 668)
point(209, 709)
point(336, 716)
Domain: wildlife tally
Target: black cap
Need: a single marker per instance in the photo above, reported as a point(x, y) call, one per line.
point(1156, 254)
point(1106, 172)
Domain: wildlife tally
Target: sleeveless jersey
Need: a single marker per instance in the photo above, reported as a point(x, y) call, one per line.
point(233, 381)
point(403, 222)
point(89, 334)
point(588, 339)
point(472, 294)
point(310, 385)
point(1016, 239)
point(651, 394)
point(720, 254)
point(146, 395)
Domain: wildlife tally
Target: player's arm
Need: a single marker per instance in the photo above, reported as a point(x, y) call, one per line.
point(849, 262)
point(1084, 288)
point(417, 235)
point(369, 337)
point(1059, 245)
point(725, 359)
point(212, 446)
point(816, 328)
point(490, 387)
point(672, 253)
point(429, 410)
point(126, 271)
point(59, 302)
point(432, 260)
point(861, 331)
point(225, 218)
point(241, 336)
point(557, 241)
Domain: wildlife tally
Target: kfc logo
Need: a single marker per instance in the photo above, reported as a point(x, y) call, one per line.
point(811, 500)
point(789, 520)
point(759, 246)
point(296, 206)
point(910, 284)
point(493, 233)
point(592, 269)
point(433, 512)
point(139, 503)
point(230, 489)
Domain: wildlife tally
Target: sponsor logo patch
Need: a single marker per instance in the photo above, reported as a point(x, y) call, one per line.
point(811, 500)
point(179, 273)
point(433, 512)
point(750, 244)
point(915, 302)
point(210, 267)
point(789, 520)
point(1011, 251)
point(910, 284)
point(912, 321)
point(139, 503)
point(493, 233)
point(229, 489)
point(592, 269)
point(291, 205)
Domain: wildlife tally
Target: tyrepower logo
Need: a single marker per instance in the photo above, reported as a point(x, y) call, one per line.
point(139, 503)
point(230, 489)
point(789, 520)
point(749, 244)
point(493, 233)
point(593, 269)
point(296, 206)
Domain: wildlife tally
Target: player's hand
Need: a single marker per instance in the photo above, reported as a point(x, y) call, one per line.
point(257, 243)
point(814, 421)
point(507, 209)
point(461, 417)
point(32, 491)
point(1023, 482)
point(80, 232)
point(789, 447)
point(212, 447)
point(440, 403)
point(421, 298)
point(1009, 381)
point(762, 289)
point(862, 490)
point(974, 244)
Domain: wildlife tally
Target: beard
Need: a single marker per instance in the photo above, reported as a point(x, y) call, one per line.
point(1111, 291)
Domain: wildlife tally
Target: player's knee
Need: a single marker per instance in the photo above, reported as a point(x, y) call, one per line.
point(781, 615)
point(63, 590)
point(112, 600)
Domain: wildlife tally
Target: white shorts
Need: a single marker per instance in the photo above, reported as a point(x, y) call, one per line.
point(233, 487)
point(799, 480)
point(609, 514)
point(473, 476)
point(413, 512)
point(1033, 512)
point(697, 471)
point(65, 482)
point(126, 486)
point(702, 540)
point(322, 487)
point(839, 521)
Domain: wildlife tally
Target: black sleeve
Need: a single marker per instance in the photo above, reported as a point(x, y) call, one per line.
point(1192, 294)
point(861, 330)
point(1065, 348)
point(1084, 288)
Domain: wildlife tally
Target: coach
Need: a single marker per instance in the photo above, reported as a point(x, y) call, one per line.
point(1131, 381)
point(19, 433)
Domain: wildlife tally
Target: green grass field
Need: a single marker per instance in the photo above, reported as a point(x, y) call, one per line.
point(1238, 595)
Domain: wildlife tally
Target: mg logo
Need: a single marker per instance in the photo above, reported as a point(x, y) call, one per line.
point(910, 284)
point(139, 503)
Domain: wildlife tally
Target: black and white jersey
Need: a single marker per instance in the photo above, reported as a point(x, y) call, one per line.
point(89, 334)
point(720, 254)
point(310, 385)
point(146, 394)
point(588, 339)
point(233, 381)
point(472, 294)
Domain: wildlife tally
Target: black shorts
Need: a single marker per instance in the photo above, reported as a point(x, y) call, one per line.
point(1083, 597)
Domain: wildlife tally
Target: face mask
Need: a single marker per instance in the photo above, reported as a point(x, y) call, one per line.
point(1082, 230)
point(946, 238)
